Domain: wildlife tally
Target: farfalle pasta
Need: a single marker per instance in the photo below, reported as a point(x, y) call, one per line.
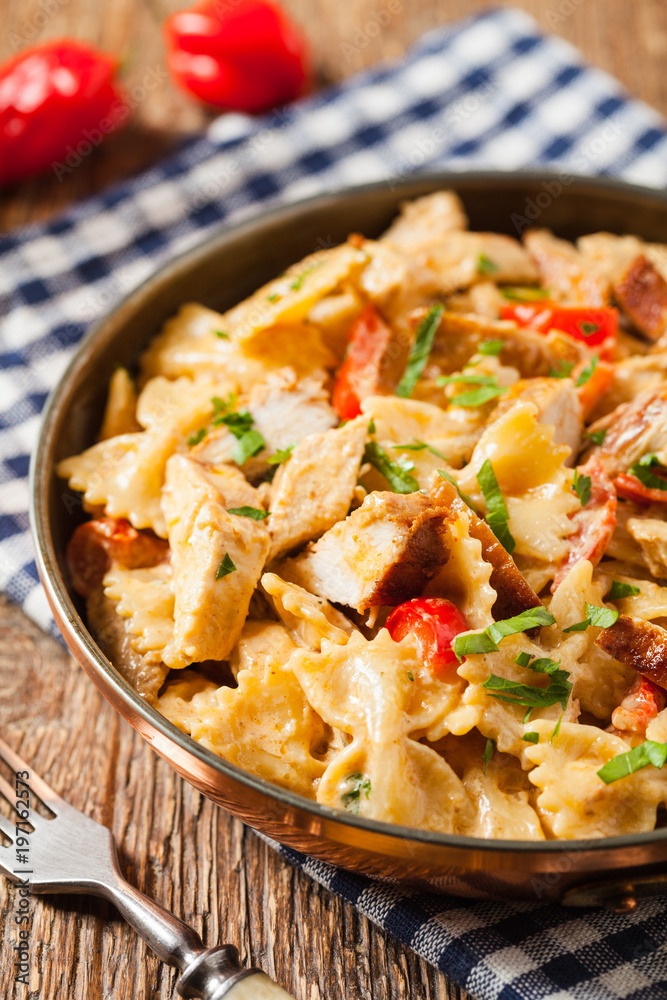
point(391, 533)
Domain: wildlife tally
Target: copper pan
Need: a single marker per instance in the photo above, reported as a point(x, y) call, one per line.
point(219, 272)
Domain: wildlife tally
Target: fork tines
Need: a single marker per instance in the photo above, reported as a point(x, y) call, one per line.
point(35, 783)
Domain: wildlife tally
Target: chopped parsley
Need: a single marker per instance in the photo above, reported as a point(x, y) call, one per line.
point(298, 281)
point(221, 406)
point(488, 389)
point(486, 266)
point(597, 437)
point(498, 516)
point(588, 328)
point(582, 487)
point(464, 496)
point(397, 474)
point(248, 442)
point(197, 437)
point(516, 293)
point(488, 753)
point(527, 695)
point(490, 348)
point(281, 455)
point(256, 513)
point(523, 659)
point(601, 617)
point(531, 737)
point(371, 427)
point(487, 641)
point(221, 334)
point(411, 676)
point(620, 590)
point(356, 784)
point(226, 567)
point(639, 757)
point(642, 471)
point(557, 728)
point(563, 369)
point(421, 349)
point(587, 372)
point(420, 446)
point(274, 297)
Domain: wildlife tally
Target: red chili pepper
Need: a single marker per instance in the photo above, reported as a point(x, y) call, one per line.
point(57, 99)
point(590, 325)
point(240, 55)
point(360, 374)
point(435, 622)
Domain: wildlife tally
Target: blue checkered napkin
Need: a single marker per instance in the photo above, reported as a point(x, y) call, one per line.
point(491, 91)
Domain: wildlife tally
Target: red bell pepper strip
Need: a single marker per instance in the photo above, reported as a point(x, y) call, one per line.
point(241, 56)
point(95, 544)
point(435, 622)
point(631, 488)
point(57, 99)
point(592, 326)
point(360, 375)
point(643, 702)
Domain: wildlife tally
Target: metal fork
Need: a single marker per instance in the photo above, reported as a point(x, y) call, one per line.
point(73, 853)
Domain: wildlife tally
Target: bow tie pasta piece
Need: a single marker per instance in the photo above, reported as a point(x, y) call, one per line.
point(143, 671)
point(501, 797)
point(308, 619)
point(197, 342)
point(217, 560)
point(573, 800)
point(600, 682)
point(121, 408)
point(383, 695)
point(314, 490)
point(265, 725)
point(262, 646)
point(184, 404)
point(144, 598)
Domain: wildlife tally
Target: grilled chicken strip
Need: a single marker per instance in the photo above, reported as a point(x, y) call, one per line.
point(638, 644)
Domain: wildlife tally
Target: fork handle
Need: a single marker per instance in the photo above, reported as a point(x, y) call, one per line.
point(207, 973)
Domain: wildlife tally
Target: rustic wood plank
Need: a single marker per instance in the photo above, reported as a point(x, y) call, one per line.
point(176, 845)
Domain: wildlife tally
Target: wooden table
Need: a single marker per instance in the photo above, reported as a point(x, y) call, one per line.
point(176, 845)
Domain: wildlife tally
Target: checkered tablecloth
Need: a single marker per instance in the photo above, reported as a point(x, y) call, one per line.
point(491, 91)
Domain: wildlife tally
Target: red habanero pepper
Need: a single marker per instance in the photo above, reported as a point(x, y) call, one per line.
point(239, 55)
point(360, 375)
point(592, 326)
point(435, 622)
point(55, 99)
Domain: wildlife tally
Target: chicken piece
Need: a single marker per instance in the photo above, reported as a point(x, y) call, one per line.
point(631, 376)
point(558, 407)
point(594, 523)
point(232, 485)
point(95, 544)
point(641, 291)
point(425, 221)
point(284, 409)
point(462, 259)
point(314, 489)
point(384, 553)
point(632, 430)
point(514, 593)
point(650, 534)
point(115, 641)
point(569, 276)
point(643, 702)
point(638, 644)
point(212, 597)
point(610, 254)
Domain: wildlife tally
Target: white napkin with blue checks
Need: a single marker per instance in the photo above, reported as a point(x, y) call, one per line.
point(491, 91)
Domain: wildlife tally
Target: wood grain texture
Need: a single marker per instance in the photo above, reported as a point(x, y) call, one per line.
point(176, 845)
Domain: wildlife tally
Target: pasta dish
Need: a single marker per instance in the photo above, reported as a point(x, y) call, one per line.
point(390, 533)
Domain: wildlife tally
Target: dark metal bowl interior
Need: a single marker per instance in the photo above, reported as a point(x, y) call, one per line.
point(218, 274)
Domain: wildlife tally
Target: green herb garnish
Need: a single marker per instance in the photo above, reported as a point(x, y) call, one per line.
point(298, 281)
point(531, 737)
point(516, 293)
point(226, 567)
point(281, 455)
point(587, 371)
point(642, 471)
point(464, 496)
point(420, 446)
point(411, 676)
point(486, 266)
point(620, 590)
point(582, 487)
point(557, 729)
point(563, 369)
point(600, 617)
point(488, 389)
point(531, 697)
point(523, 659)
point(487, 641)
point(248, 442)
point(588, 328)
point(597, 437)
point(498, 516)
point(421, 349)
point(397, 474)
point(490, 348)
point(221, 406)
point(639, 757)
point(356, 785)
point(256, 513)
point(488, 753)
point(221, 334)
point(274, 297)
point(197, 437)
